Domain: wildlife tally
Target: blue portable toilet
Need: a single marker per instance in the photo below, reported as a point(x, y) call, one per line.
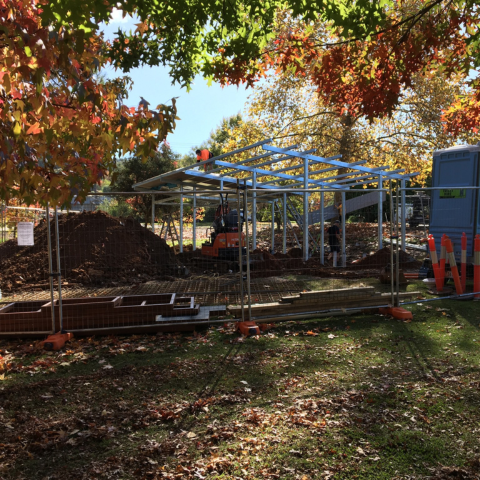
point(455, 209)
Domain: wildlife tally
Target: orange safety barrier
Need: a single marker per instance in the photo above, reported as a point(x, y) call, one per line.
point(435, 265)
point(56, 341)
point(476, 266)
point(463, 261)
point(453, 266)
point(396, 312)
point(443, 256)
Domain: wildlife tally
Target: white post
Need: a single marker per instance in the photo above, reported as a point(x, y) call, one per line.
point(305, 210)
point(284, 223)
point(380, 213)
point(322, 228)
point(254, 212)
point(273, 227)
point(194, 218)
point(181, 220)
point(344, 217)
point(404, 215)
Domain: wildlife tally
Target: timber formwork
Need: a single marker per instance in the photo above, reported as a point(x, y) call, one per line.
point(109, 313)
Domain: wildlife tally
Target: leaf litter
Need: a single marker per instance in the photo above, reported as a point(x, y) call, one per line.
point(178, 406)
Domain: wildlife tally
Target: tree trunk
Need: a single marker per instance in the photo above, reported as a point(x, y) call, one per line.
point(346, 150)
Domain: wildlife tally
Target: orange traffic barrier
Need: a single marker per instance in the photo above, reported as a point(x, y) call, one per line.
point(476, 266)
point(435, 265)
point(56, 341)
point(248, 328)
point(396, 312)
point(443, 256)
point(463, 262)
point(453, 266)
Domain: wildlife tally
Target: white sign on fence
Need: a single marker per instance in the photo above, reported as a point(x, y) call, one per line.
point(25, 234)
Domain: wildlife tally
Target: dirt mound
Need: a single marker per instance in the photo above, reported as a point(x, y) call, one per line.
point(95, 248)
point(381, 259)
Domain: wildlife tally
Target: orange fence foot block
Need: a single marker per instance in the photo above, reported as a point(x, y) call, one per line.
point(397, 312)
point(248, 328)
point(57, 341)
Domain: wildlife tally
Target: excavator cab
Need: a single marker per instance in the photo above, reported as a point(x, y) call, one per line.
point(225, 236)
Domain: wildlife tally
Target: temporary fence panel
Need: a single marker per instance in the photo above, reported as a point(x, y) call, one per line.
point(119, 272)
point(24, 270)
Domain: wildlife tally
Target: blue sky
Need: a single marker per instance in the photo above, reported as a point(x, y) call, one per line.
point(201, 110)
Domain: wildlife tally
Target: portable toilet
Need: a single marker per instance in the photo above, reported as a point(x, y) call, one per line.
point(455, 209)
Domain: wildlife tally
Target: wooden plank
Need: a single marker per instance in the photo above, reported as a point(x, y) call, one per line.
point(282, 308)
point(339, 291)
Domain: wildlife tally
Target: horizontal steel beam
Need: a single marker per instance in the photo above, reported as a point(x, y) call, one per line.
point(332, 161)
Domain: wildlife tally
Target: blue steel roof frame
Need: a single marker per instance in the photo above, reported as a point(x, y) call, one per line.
point(313, 172)
point(268, 173)
point(339, 164)
point(368, 175)
point(184, 169)
point(228, 170)
point(257, 165)
point(251, 159)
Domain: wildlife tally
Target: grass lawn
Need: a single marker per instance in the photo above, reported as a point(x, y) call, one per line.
point(357, 397)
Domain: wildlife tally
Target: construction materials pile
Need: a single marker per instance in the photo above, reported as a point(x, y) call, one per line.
point(343, 298)
point(95, 249)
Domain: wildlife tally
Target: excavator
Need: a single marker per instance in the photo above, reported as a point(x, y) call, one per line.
point(225, 235)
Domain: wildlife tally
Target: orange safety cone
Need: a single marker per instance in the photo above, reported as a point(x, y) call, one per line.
point(435, 265)
point(443, 256)
point(453, 266)
point(476, 267)
point(463, 262)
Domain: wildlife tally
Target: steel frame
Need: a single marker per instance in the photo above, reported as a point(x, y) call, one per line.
point(192, 180)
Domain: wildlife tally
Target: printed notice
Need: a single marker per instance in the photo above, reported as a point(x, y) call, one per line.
point(25, 234)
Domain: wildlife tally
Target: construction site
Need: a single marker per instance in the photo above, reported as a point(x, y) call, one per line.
point(292, 235)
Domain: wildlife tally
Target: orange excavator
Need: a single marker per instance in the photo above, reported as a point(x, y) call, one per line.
point(225, 235)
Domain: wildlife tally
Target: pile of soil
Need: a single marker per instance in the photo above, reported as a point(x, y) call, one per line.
point(381, 258)
point(95, 249)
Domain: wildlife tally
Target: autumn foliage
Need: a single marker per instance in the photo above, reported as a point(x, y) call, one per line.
point(61, 126)
point(368, 76)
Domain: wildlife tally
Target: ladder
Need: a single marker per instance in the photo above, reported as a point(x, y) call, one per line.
point(169, 229)
point(298, 218)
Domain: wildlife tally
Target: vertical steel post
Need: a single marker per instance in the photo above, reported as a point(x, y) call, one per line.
point(284, 223)
point(254, 211)
point(60, 305)
point(245, 213)
point(322, 228)
point(2, 224)
point(380, 213)
point(181, 220)
point(305, 210)
point(344, 216)
point(240, 248)
point(404, 215)
point(194, 233)
point(153, 213)
point(50, 264)
point(392, 282)
point(397, 251)
point(273, 228)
